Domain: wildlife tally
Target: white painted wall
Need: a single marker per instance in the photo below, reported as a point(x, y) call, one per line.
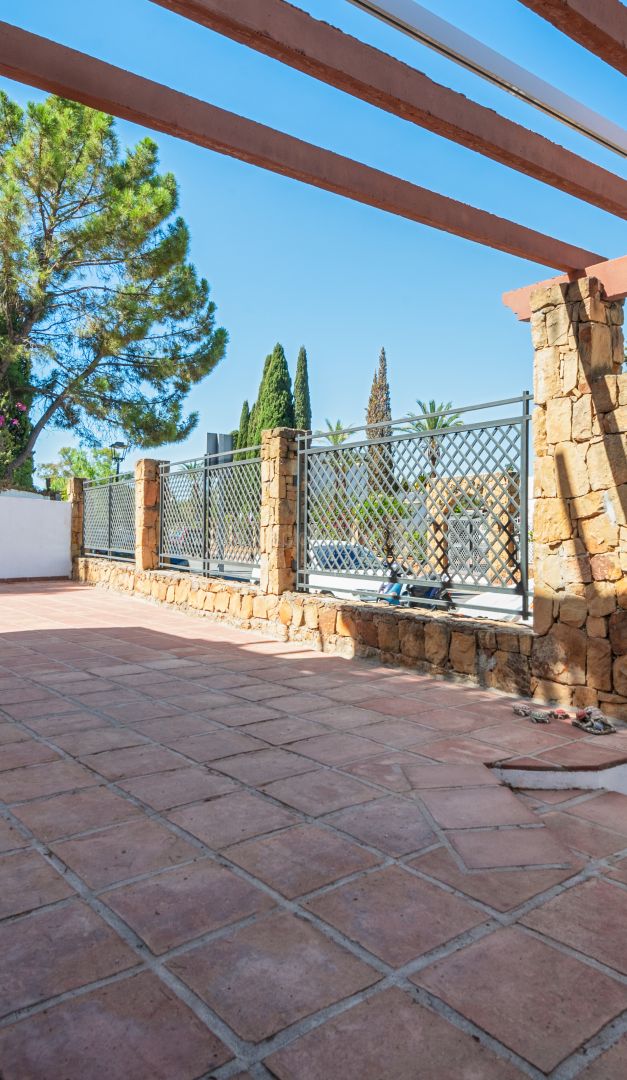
point(34, 536)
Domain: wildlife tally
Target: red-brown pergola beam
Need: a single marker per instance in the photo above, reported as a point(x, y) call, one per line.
point(290, 35)
point(611, 272)
point(599, 25)
point(45, 64)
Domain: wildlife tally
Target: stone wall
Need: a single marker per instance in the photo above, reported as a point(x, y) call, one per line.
point(580, 519)
point(495, 655)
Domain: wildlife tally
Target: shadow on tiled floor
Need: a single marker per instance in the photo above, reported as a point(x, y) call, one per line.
point(226, 856)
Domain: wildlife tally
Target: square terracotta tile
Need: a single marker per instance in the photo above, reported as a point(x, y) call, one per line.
point(388, 1036)
point(232, 818)
point(395, 733)
point(402, 707)
point(28, 882)
point(501, 891)
point(337, 749)
point(134, 761)
point(305, 971)
point(301, 859)
point(93, 741)
point(488, 849)
point(62, 815)
point(395, 915)
point(297, 703)
point(449, 721)
point(19, 754)
point(520, 740)
point(178, 905)
point(217, 744)
point(34, 781)
point(49, 726)
point(392, 825)
point(243, 713)
point(171, 729)
point(591, 917)
point(472, 808)
point(59, 949)
point(345, 717)
point(263, 766)
point(321, 792)
point(584, 836)
point(608, 809)
point(544, 1019)
point(123, 851)
point(135, 1029)
point(428, 777)
point(460, 750)
point(286, 729)
point(164, 791)
point(579, 755)
point(388, 770)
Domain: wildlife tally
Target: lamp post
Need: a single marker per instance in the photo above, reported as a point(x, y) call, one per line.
point(118, 453)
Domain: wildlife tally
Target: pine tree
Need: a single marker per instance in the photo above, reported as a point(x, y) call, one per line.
point(105, 325)
point(242, 431)
point(275, 406)
point(302, 400)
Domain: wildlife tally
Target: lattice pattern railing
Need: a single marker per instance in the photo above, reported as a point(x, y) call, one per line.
point(210, 514)
point(446, 505)
point(109, 517)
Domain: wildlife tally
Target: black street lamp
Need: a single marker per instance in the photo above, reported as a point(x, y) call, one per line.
point(118, 453)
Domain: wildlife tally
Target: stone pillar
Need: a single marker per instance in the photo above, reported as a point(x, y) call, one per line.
point(146, 514)
point(77, 504)
point(579, 653)
point(279, 463)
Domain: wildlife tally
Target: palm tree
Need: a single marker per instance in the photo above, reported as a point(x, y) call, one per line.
point(335, 433)
point(434, 417)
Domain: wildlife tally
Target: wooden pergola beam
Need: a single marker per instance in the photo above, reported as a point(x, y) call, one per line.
point(612, 273)
point(599, 25)
point(42, 63)
point(290, 35)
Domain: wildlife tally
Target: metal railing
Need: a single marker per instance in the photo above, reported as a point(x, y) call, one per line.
point(210, 514)
point(109, 517)
point(435, 504)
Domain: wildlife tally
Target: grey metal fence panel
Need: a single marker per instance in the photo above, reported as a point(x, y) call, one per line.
point(109, 517)
point(210, 514)
point(443, 507)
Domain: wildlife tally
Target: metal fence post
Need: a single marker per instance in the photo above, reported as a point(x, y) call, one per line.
point(524, 503)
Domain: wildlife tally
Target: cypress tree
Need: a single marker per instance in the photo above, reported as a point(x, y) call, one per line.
point(381, 481)
point(379, 409)
point(242, 431)
point(302, 400)
point(275, 406)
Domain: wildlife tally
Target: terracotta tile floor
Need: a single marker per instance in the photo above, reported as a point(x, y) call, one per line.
point(228, 857)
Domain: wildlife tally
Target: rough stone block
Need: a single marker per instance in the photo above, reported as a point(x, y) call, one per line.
point(560, 656)
point(573, 609)
point(551, 521)
point(558, 420)
point(618, 632)
point(620, 675)
point(463, 653)
point(437, 638)
point(599, 664)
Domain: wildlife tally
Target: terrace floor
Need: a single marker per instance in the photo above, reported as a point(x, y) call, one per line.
point(231, 857)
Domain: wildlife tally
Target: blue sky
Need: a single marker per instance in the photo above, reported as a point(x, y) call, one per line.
point(292, 264)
